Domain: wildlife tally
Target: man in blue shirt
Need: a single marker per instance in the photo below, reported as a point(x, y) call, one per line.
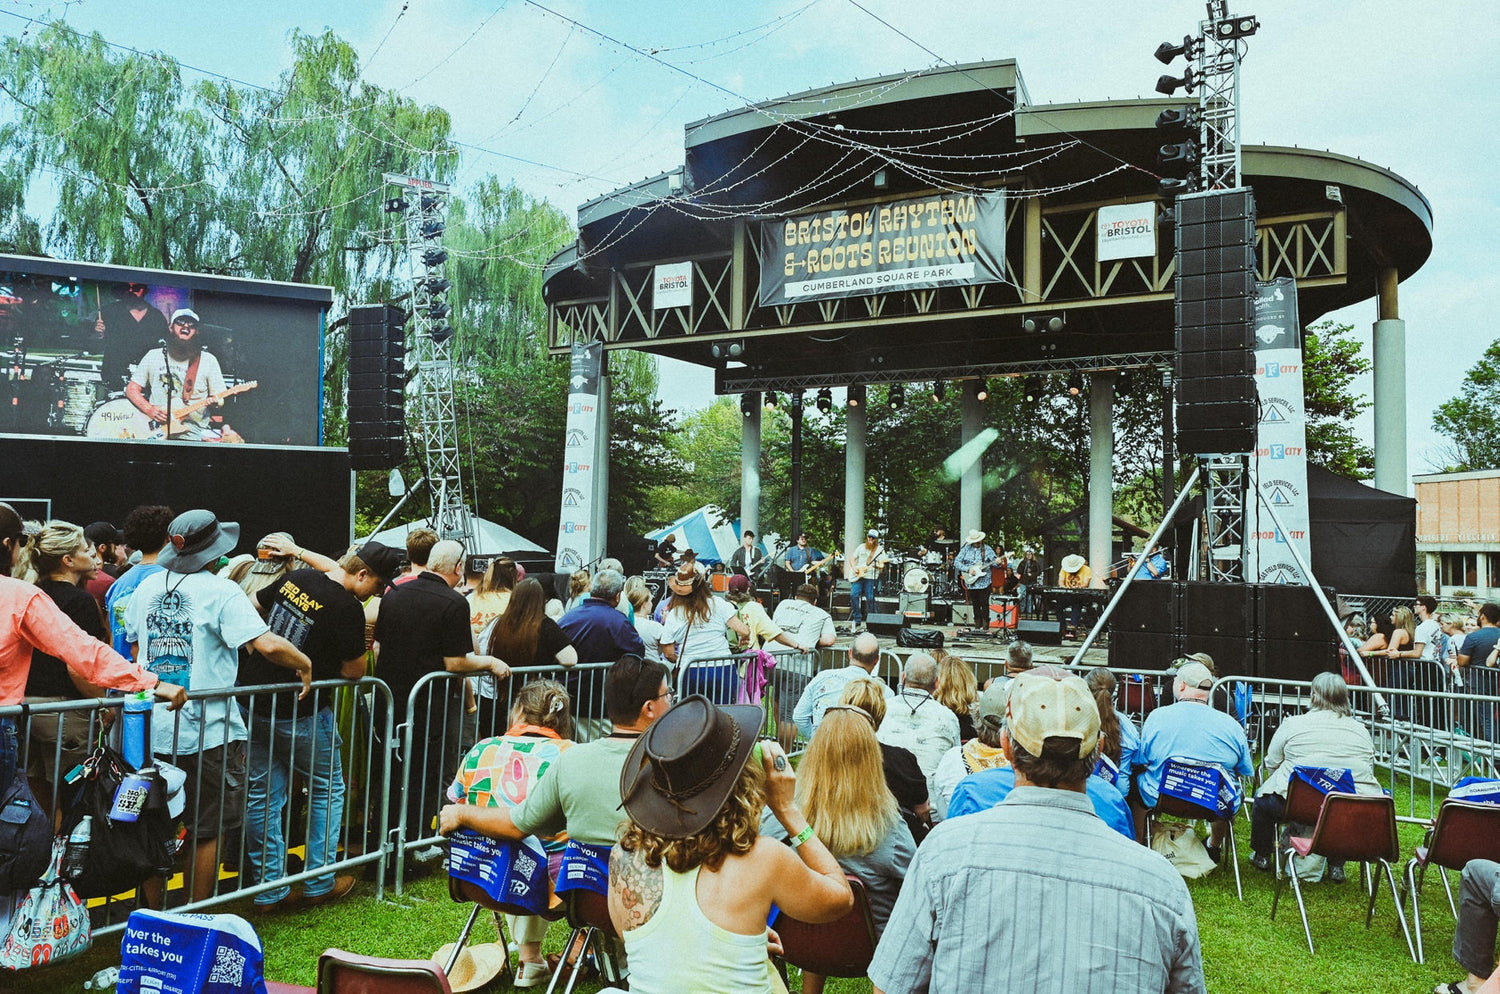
point(145, 530)
point(1189, 729)
point(800, 565)
point(597, 629)
point(1478, 679)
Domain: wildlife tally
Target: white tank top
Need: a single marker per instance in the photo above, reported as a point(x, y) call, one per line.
point(679, 949)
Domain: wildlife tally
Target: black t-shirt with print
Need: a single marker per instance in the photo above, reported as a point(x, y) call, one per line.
point(319, 617)
point(49, 675)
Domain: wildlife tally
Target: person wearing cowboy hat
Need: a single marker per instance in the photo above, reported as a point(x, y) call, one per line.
point(188, 626)
point(1038, 893)
point(1073, 573)
point(973, 564)
point(692, 880)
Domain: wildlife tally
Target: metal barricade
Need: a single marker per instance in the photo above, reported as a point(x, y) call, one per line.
point(240, 837)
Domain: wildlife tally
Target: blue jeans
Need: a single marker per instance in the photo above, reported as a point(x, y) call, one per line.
point(861, 599)
point(309, 747)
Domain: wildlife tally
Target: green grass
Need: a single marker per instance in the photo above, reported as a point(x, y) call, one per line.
point(1243, 950)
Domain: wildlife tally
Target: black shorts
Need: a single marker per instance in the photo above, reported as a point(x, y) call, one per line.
point(216, 802)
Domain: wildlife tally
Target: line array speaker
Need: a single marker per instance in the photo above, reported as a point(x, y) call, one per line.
point(377, 386)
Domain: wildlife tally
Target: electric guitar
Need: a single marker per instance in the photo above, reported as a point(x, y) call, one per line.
point(174, 425)
point(877, 561)
point(974, 572)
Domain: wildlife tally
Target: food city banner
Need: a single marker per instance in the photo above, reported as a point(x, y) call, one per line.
point(947, 239)
point(1278, 467)
point(574, 550)
point(1126, 231)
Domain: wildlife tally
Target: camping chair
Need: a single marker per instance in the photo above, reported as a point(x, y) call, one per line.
point(1350, 827)
point(1176, 807)
point(1464, 830)
point(464, 892)
point(588, 914)
point(345, 973)
point(840, 948)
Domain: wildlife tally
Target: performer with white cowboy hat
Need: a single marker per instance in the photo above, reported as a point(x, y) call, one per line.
point(1074, 574)
point(972, 564)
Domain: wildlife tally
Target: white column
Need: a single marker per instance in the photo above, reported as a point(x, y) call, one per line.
point(750, 468)
point(970, 491)
point(599, 523)
point(1101, 473)
point(854, 470)
point(1388, 352)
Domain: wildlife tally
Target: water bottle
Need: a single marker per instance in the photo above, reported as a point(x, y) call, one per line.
point(135, 734)
point(77, 847)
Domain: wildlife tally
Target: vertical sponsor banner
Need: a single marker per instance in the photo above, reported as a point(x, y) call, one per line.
point(573, 548)
point(1278, 468)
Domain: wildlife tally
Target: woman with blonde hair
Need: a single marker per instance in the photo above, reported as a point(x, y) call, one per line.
point(578, 589)
point(638, 595)
point(904, 777)
point(492, 595)
point(841, 788)
point(957, 690)
point(503, 770)
point(692, 879)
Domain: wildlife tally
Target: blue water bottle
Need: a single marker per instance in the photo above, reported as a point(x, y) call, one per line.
point(135, 729)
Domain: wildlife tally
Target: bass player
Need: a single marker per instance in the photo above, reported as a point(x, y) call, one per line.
point(179, 376)
point(973, 564)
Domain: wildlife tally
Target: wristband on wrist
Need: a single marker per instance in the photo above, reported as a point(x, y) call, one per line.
point(801, 836)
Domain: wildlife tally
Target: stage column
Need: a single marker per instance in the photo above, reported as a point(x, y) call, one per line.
point(1388, 350)
point(750, 465)
point(854, 470)
point(1101, 473)
point(970, 491)
point(599, 526)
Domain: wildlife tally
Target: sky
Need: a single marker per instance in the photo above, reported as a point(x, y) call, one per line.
point(565, 108)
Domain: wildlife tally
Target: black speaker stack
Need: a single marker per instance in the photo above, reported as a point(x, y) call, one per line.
point(1270, 631)
point(1215, 310)
point(377, 386)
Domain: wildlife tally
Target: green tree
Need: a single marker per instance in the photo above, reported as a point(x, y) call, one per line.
point(1471, 420)
point(1330, 361)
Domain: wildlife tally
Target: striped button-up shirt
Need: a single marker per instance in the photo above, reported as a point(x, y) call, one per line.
point(1039, 895)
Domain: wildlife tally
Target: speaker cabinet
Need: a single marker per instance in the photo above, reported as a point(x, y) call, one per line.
point(1232, 655)
point(1142, 651)
point(1147, 606)
point(886, 624)
point(1217, 609)
point(1293, 613)
point(1039, 632)
point(377, 386)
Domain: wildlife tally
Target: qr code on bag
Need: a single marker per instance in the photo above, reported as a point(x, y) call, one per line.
point(229, 967)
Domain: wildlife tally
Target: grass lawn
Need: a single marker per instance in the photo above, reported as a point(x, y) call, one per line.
point(1243, 950)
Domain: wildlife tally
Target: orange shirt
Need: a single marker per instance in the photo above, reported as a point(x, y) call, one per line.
point(29, 619)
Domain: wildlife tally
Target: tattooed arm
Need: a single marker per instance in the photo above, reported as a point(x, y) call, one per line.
point(634, 889)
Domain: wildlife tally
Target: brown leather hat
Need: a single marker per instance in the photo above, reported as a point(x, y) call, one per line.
point(683, 768)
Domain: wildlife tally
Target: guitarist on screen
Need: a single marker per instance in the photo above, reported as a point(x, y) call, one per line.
point(177, 384)
point(973, 564)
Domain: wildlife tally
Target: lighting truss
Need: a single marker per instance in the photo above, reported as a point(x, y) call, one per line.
point(436, 413)
point(1220, 52)
point(740, 380)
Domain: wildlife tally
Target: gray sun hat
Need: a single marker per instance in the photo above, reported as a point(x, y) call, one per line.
point(195, 539)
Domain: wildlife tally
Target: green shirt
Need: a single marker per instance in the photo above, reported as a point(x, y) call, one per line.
point(580, 794)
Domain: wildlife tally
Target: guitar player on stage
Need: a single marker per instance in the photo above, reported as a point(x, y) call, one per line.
point(175, 385)
point(801, 565)
point(973, 564)
point(862, 569)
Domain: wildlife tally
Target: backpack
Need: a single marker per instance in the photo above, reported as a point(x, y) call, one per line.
point(25, 837)
point(118, 855)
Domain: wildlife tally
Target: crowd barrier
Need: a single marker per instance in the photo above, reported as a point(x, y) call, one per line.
point(396, 765)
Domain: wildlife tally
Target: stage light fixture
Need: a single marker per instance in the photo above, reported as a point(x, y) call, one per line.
point(395, 205)
point(1166, 51)
point(1040, 323)
point(434, 257)
point(747, 403)
point(939, 390)
point(825, 400)
point(441, 333)
point(1033, 389)
point(1236, 27)
point(432, 229)
point(431, 202)
point(983, 393)
point(896, 396)
point(727, 350)
point(772, 401)
point(1167, 85)
point(437, 285)
point(1075, 383)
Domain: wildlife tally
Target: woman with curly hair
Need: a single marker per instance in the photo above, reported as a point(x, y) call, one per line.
point(957, 690)
point(692, 879)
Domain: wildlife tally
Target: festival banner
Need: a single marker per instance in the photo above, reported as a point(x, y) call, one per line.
point(574, 550)
point(1126, 231)
point(1278, 467)
point(915, 244)
point(672, 286)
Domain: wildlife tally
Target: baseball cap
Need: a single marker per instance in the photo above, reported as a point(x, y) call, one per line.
point(1195, 674)
point(381, 560)
point(872, 533)
point(185, 312)
point(739, 584)
point(991, 707)
point(1204, 658)
point(1049, 703)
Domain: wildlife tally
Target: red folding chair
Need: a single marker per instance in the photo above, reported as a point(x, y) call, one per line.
point(840, 948)
point(1464, 830)
point(1304, 803)
point(1176, 807)
point(588, 914)
point(1356, 827)
point(345, 973)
